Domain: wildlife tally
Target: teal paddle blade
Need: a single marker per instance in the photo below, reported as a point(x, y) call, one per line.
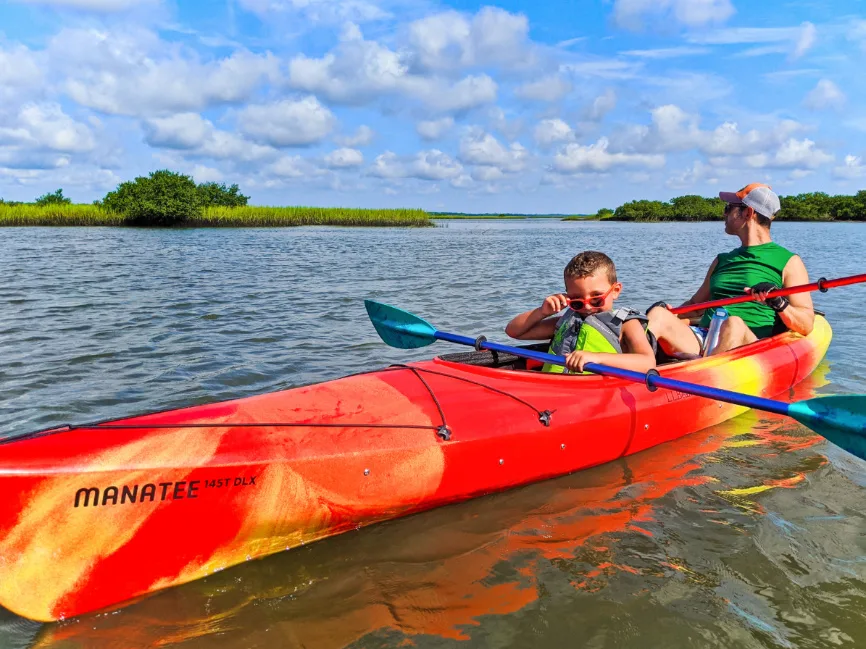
point(399, 328)
point(841, 419)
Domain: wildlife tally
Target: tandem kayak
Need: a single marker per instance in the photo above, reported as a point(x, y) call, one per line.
point(95, 515)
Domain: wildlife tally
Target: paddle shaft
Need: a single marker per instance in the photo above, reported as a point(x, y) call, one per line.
point(652, 380)
point(821, 285)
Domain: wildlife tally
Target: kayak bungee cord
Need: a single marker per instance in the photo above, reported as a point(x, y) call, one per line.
point(442, 430)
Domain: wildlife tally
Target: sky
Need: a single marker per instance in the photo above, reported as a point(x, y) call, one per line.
point(560, 106)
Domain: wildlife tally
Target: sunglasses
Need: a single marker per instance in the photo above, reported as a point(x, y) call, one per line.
point(730, 207)
point(595, 302)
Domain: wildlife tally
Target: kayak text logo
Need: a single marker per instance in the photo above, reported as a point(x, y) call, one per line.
point(149, 492)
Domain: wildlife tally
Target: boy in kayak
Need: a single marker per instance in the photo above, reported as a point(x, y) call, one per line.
point(590, 330)
point(758, 266)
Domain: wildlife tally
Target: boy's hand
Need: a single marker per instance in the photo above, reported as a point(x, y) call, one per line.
point(576, 360)
point(554, 304)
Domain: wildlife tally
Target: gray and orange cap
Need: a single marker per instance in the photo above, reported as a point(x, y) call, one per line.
point(758, 196)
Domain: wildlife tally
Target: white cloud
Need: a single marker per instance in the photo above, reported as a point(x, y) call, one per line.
point(794, 41)
point(596, 158)
point(343, 158)
point(46, 126)
point(796, 154)
point(426, 165)
point(552, 131)
point(824, 95)
point(480, 148)
point(805, 40)
point(358, 71)
point(602, 68)
point(690, 13)
point(19, 69)
point(318, 11)
point(434, 129)
point(547, 89)
point(698, 173)
point(453, 40)
point(487, 174)
point(601, 105)
point(287, 123)
point(99, 6)
point(179, 131)
point(204, 174)
point(133, 72)
point(668, 52)
point(362, 137)
point(853, 168)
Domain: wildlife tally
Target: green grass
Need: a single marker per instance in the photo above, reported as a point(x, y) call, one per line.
point(237, 217)
point(67, 214)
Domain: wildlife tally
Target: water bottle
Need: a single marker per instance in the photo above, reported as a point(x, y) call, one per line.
point(719, 317)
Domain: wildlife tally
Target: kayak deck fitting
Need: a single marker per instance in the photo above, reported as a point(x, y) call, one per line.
point(98, 514)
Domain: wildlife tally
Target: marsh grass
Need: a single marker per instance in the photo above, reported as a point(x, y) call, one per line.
point(237, 217)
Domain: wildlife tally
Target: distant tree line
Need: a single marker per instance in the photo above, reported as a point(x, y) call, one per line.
point(162, 198)
point(816, 206)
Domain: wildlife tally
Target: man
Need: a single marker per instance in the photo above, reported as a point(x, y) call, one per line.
point(757, 266)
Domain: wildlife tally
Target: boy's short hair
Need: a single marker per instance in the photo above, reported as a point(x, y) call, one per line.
point(587, 263)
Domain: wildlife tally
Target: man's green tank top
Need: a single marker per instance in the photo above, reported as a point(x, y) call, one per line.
point(747, 266)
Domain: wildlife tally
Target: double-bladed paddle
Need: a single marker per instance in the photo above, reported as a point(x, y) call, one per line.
point(822, 285)
point(841, 419)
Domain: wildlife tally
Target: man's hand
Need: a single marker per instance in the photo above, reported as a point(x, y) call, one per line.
point(778, 304)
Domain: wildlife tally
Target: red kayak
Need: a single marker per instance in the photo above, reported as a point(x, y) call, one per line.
point(95, 515)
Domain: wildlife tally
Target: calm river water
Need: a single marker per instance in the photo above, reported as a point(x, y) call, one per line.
point(748, 534)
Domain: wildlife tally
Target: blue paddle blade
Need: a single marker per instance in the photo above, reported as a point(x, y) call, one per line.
point(841, 419)
point(399, 328)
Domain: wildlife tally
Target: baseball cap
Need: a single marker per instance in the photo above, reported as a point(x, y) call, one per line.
point(758, 196)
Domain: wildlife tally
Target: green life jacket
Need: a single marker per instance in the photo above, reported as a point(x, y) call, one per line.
point(598, 332)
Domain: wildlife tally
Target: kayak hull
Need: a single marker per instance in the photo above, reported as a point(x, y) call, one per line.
point(94, 516)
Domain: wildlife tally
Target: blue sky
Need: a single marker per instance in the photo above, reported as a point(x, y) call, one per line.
point(556, 106)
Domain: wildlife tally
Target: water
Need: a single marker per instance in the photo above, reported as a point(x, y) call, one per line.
point(748, 534)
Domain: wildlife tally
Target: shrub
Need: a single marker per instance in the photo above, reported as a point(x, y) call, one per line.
point(218, 195)
point(54, 198)
point(162, 198)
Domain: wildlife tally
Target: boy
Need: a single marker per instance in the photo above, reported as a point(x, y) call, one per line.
point(590, 331)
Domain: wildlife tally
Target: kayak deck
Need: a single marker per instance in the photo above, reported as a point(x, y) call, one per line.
point(95, 515)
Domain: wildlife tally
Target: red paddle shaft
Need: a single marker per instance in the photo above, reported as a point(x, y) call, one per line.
point(821, 285)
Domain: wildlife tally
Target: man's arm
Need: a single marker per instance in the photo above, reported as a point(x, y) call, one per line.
point(701, 295)
point(799, 316)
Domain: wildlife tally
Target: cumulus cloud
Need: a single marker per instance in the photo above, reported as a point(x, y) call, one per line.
point(595, 158)
point(362, 137)
point(133, 72)
point(434, 129)
point(431, 165)
point(549, 89)
point(453, 40)
point(851, 169)
point(824, 95)
point(480, 148)
point(197, 137)
point(358, 71)
point(19, 70)
point(632, 14)
point(287, 123)
point(178, 131)
point(47, 127)
point(344, 158)
point(552, 131)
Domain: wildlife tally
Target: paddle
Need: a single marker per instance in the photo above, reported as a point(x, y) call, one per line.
point(822, 285)
point(841, 419)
